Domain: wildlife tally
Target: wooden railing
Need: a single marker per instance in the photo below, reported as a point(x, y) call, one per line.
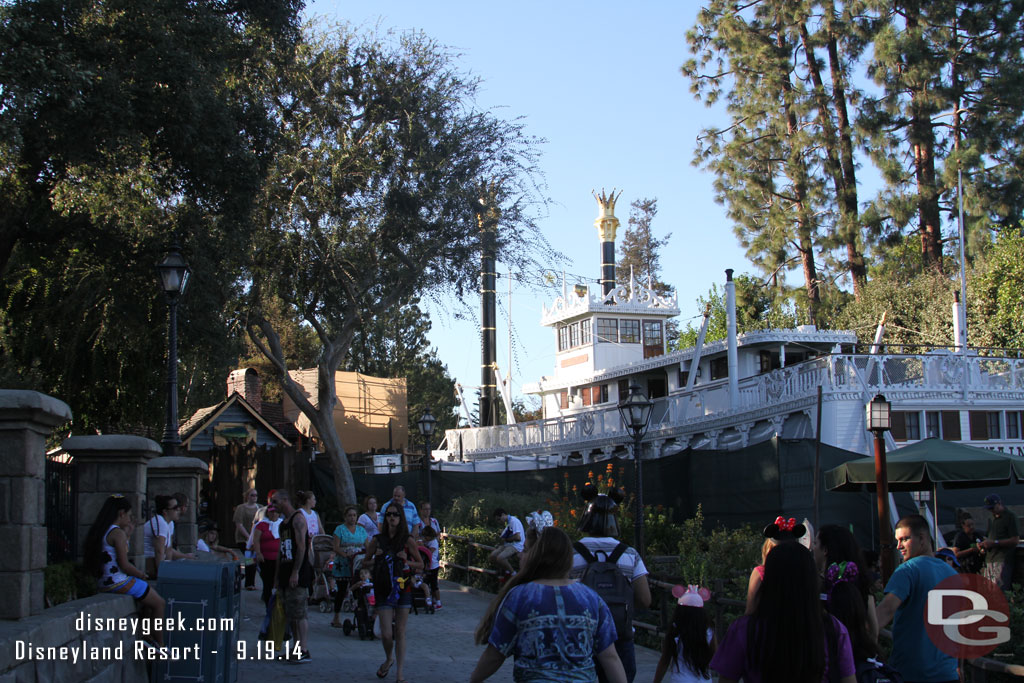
point(979, 666)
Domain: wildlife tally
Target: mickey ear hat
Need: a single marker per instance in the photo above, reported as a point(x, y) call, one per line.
point(784, 530)
point(599, 519)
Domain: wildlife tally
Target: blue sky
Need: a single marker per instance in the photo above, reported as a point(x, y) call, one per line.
point(600, 82)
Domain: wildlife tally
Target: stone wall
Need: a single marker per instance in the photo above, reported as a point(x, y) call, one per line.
point(57, 628)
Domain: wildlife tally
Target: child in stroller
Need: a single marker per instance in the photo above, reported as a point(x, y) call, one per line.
point(360, 602)
point(421, 586)
point(323, 567)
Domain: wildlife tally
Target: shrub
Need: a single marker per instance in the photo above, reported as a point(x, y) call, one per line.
point(476, 509)
point(724, 554)
point(65, 582)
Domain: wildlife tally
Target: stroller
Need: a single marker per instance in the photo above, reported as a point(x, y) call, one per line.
point(359, 601)
point(420, 590)
point(323, 565)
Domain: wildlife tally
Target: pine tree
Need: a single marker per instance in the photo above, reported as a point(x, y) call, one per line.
point(639, 251)
point(767, 162)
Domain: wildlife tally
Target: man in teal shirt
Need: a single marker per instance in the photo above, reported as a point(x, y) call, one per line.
point(913, 653)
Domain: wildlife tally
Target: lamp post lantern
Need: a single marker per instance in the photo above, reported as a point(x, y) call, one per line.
point(426, 425)
point(636, 414)
point(174, 273)
point(879, 412)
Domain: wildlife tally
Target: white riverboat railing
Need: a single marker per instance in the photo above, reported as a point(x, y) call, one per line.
point(898, 376)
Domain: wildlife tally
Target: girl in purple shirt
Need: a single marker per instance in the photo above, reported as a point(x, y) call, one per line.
point(788, 638)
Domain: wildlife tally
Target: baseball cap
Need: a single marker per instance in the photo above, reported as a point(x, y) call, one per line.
point(947, 554)
point(991, 500)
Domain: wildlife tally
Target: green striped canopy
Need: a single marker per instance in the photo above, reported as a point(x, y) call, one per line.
point(922, 465)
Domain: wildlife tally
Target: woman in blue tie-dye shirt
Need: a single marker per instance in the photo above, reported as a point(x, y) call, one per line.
point(555, 627)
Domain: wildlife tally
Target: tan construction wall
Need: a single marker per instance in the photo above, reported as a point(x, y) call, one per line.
point(366, 405)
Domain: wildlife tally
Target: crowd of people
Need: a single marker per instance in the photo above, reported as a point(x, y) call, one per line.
point(566, 613)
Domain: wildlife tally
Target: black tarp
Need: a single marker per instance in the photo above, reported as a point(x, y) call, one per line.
point(750, 485)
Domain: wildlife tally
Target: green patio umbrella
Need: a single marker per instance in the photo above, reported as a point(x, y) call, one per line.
point(922, 466)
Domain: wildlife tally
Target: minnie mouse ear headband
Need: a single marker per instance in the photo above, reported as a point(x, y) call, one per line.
point(691, 596)
point(784, 530)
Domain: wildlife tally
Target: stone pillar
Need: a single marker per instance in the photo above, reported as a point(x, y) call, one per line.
point(26, 419)
point(106, 465)
point(180, 474)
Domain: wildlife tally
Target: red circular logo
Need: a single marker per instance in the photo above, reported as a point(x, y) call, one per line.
point(967, 616)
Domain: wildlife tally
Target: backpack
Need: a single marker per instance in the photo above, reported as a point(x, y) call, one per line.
point(874, 671)
point(608, 582)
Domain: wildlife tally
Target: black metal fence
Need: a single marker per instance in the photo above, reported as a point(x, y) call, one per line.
point(61, 509)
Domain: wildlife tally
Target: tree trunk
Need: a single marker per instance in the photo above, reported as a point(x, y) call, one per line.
point(848, 199)
point(796, 171)
point(922, 141)
point(846, 196)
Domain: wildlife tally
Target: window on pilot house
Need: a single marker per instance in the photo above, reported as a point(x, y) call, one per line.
point(563, 337)
point(608, 330)
point(584, 332)
point(574, 335)
point(629, 331)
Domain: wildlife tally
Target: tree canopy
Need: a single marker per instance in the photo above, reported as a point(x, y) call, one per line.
point(121, 124)
point(375, 197)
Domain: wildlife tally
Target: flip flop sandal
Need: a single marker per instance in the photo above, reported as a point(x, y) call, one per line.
point(382, 672)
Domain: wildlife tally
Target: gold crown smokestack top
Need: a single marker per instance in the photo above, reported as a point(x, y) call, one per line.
point(606, 224)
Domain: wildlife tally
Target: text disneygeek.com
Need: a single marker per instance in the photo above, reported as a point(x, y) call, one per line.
point(138, 627)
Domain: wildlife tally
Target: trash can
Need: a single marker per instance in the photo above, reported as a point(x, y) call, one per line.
point(203, 602)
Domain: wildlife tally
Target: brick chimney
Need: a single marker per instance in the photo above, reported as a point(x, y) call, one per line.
point(246, 382)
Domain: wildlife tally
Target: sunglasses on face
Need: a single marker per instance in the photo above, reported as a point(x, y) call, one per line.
point(173, 509)
point(393, 514)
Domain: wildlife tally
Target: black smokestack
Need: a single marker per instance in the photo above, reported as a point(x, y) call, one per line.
point(606, 223)
point(488, 221)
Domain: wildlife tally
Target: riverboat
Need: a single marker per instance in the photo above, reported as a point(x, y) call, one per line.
point(726, 395)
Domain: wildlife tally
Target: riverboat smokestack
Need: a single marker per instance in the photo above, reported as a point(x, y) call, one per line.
point(958, 333)
point(733, 358)
point(487, 219)
point(606, 223)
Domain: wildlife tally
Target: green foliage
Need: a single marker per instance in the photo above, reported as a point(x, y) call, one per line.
point(996, 294)
point(722, 554)
point(122, 123)
point(464, 554)
point(65, 582)
point(757, 308)
point(476, 510)
point(395, 344)
point(916, 303)
point(373, 200)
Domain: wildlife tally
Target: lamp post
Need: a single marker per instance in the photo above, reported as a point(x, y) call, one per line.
point(636, 414)
point(878, 420)
point(426, 425)
point(174, 273)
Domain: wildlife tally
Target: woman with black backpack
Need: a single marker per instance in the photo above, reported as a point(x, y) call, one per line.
point(393, 553)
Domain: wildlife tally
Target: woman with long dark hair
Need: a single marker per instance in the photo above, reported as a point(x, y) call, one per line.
point(392, 552)
point(106, 558)
point(788, 638)
point(836, 545)
point(554, 626)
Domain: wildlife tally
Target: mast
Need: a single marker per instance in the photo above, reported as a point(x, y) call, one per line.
point(487, 219)
point(606, 223)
